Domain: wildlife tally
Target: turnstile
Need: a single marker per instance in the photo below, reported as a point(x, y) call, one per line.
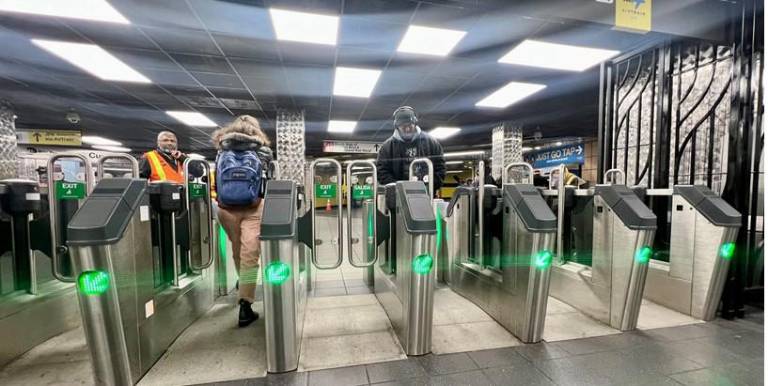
point(504, 270)
point(689, 270)
point(286, 276)
point(602, 261)
point(37, 299)
point(135, 299)
point(404, 280)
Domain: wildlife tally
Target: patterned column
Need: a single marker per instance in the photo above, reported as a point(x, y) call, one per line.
point(7, 141)
point(506, 147)
point(290, 145)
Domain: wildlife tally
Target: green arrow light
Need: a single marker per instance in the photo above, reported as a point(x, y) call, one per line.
point(93, 282)
point(643, 254)
point(277, 272)
point(543, 259)
point(727, 250)
point(422, 264)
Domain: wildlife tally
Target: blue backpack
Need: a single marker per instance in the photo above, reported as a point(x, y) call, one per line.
point(238, 177)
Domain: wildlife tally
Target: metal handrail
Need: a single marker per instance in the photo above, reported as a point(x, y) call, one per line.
point(209, 206)
point(349, 212)
point(53, 211)
point(611, 172)
point(560, 209)
point(102, 160)
point(340, 257)
point(523, 165)
point(430, 171)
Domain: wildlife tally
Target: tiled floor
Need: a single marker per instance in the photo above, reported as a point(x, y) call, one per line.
point(717, 353)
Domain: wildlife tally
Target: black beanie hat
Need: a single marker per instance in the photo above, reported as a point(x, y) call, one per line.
point(404, 114)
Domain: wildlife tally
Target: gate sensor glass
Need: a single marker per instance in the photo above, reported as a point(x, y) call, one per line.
point(643, 254)
point(93, 282)
point(277, 272)
point(727, 250)
point(422, 264)
point(543, 259)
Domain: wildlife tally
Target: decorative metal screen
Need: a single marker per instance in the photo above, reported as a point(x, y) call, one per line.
point(698, 93)
point(7, 141)
point(290, 145)
point(506, 147)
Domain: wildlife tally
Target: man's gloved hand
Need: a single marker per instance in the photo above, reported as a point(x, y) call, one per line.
point(265, 154)
point(177, 154)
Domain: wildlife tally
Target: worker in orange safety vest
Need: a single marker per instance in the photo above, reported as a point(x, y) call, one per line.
point(165, 163)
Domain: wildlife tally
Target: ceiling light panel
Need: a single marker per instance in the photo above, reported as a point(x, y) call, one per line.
point(341, 126)
point(464, 153)
point(444, 132)
point(192, 118)
point(94, 10)
point(304, 27)
point(355, 82)
point(511, 93)
point(430, 41)
point(96, 140)
point(93, 59)
point(556, 56)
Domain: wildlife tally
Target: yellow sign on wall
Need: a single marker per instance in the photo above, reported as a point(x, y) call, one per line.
point(49, 137)
point(633, 15)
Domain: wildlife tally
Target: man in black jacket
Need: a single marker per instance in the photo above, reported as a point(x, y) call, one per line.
point(407, 143)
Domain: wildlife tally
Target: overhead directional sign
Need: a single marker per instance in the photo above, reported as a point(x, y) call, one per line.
point(350, 147)
point(634, 15)
point(568, 154)
point(49, 137)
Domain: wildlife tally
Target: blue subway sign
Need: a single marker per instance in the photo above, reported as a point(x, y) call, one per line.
point(568, 154)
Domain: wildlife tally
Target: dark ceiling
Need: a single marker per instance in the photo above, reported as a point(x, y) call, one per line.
point(221, 58)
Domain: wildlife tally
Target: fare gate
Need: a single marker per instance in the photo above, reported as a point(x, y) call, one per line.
point(506, 273)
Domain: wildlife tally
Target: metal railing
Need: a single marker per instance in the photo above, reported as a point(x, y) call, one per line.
point(100, 164)
point(430, 172)
point(374, 186)
point(209, 206)
point(340, 257)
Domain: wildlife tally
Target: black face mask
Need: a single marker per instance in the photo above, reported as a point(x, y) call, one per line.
point(165, 151)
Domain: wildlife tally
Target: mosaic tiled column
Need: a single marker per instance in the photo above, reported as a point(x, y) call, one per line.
point(7, 141)
point(290, 145)
point(506, 147)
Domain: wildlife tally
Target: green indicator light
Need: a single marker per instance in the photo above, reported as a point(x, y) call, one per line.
point(643, 254)
point(277, 272)
point(727, 250)
point(422, 264)
point(93, 282)
point(439, 228)
point(543, 259)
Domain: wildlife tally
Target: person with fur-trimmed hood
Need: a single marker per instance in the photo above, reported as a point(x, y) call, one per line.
point(243, 223)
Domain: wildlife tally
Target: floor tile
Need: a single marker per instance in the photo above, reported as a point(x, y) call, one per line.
point(345, 321)
point(69, 373)
point(574, 325)
point(345, 376)
point(469, 378)
point(658, 360)
point(604, 343)
point(448, 363)
point(395, 370)
point(542, 351)
point(207, 365)
point(470, 336)
point(653, 315)
point(555, 306)
point(732, 374)
point(452, 308)
point(287, 379)
point(503, 357)
point(324, 292)
point(359, 290)
point(517, 375)
point(348, 350)
point(329, 284)
point(341, 301)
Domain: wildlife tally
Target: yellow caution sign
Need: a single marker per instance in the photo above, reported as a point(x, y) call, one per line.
point(633, 15)
point(49, 137)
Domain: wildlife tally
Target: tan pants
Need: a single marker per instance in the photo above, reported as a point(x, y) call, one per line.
point(243, 227)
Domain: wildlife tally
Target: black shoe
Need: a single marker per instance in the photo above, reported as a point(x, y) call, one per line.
point(247, 316)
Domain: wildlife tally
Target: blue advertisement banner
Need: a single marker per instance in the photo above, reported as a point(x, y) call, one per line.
point(568, 154)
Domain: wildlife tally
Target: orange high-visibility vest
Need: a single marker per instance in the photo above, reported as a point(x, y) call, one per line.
point(162, 170)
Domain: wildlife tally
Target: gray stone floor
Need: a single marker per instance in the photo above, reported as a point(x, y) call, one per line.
point(718, 353)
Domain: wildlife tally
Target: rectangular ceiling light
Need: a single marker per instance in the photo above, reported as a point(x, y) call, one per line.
point(96, 140)
point(341, 126)
point(444, 132)
point(93, 59)
point(509, 94)
point(95, 10)
point(192, 118)
point(118, 149)
point(355, 82)
point(430, 41)
point(304, 27)
point(454, 162)
point(556, 56)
